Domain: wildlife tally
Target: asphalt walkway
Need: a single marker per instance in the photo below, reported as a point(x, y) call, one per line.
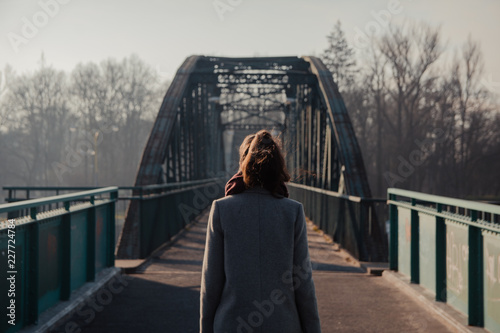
point(164, 295)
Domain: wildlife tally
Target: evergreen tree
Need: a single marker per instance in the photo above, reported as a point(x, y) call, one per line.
point(339, 57)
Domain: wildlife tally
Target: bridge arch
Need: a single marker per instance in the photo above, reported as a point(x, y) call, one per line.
point(213, 102)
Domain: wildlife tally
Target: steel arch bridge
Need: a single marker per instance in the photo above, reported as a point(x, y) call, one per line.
point(213, 102)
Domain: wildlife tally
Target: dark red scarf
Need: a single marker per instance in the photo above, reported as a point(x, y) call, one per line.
point(236, 185)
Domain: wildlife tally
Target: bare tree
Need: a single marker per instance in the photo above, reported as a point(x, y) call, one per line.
point(375, 78)
point(40, 111)
point(472, 114)
point(135, 101)
point(410, 51)
point(117, 101)
point(89, 99)
point(6, 77)
point(429, 126)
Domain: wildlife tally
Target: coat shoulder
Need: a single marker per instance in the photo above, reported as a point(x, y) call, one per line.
point(243, 198)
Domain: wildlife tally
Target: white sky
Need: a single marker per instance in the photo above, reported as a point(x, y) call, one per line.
point(165, 32)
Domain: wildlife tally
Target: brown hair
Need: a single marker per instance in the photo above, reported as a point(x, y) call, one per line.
point(245, 145)
point(262, 163)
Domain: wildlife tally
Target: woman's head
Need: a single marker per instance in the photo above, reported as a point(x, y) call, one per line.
point(262, 162)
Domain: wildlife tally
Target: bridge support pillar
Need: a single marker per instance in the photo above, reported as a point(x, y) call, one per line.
point(415, 245)
point(393, 232)
point(476, 269)
point(440, 257)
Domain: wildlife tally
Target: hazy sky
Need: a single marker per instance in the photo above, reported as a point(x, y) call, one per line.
point(164, 33)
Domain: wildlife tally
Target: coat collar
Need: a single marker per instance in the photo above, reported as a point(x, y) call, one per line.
point(260, 190)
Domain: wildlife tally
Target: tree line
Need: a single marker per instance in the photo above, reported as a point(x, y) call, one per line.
point(83, 128)
point(423, 116)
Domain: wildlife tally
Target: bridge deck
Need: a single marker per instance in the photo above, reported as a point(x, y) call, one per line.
point(164, 296)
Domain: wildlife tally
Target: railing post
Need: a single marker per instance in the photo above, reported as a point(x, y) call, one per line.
point(364, 250)
point(12, 215)
point(33, 212)
point(393, 246)
point(140, 229)
point(32, 248)
point(415, 245)
point(476, 302)
point(91, 235)
point(440, 257)
point(111, 240)
point(324, 213)
point(66, 255)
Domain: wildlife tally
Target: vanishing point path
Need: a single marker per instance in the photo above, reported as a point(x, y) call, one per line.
point(163, 295)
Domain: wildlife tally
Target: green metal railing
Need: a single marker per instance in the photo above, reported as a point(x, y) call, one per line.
point(164, 210)
point(160, 211)
point(351, 221)
point(54, 252)
point(31, 191)
point(452, 248)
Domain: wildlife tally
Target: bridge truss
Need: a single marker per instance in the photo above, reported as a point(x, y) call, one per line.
point(213, 102)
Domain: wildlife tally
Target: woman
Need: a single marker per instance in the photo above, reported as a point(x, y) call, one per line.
point(257, 274)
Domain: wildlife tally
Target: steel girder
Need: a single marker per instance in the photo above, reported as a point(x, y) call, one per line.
point(349, 152)
point(294, 96)
point(185, 144)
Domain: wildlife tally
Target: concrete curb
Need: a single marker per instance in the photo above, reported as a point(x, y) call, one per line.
point(452, 318)
point(61, 312)
point(374, 268)
point(340, 251)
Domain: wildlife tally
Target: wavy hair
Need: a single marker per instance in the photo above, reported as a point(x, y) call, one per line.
point(262, 163)
point(245, 145)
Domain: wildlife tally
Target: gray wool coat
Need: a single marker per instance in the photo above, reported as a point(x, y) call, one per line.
point(257, 274)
